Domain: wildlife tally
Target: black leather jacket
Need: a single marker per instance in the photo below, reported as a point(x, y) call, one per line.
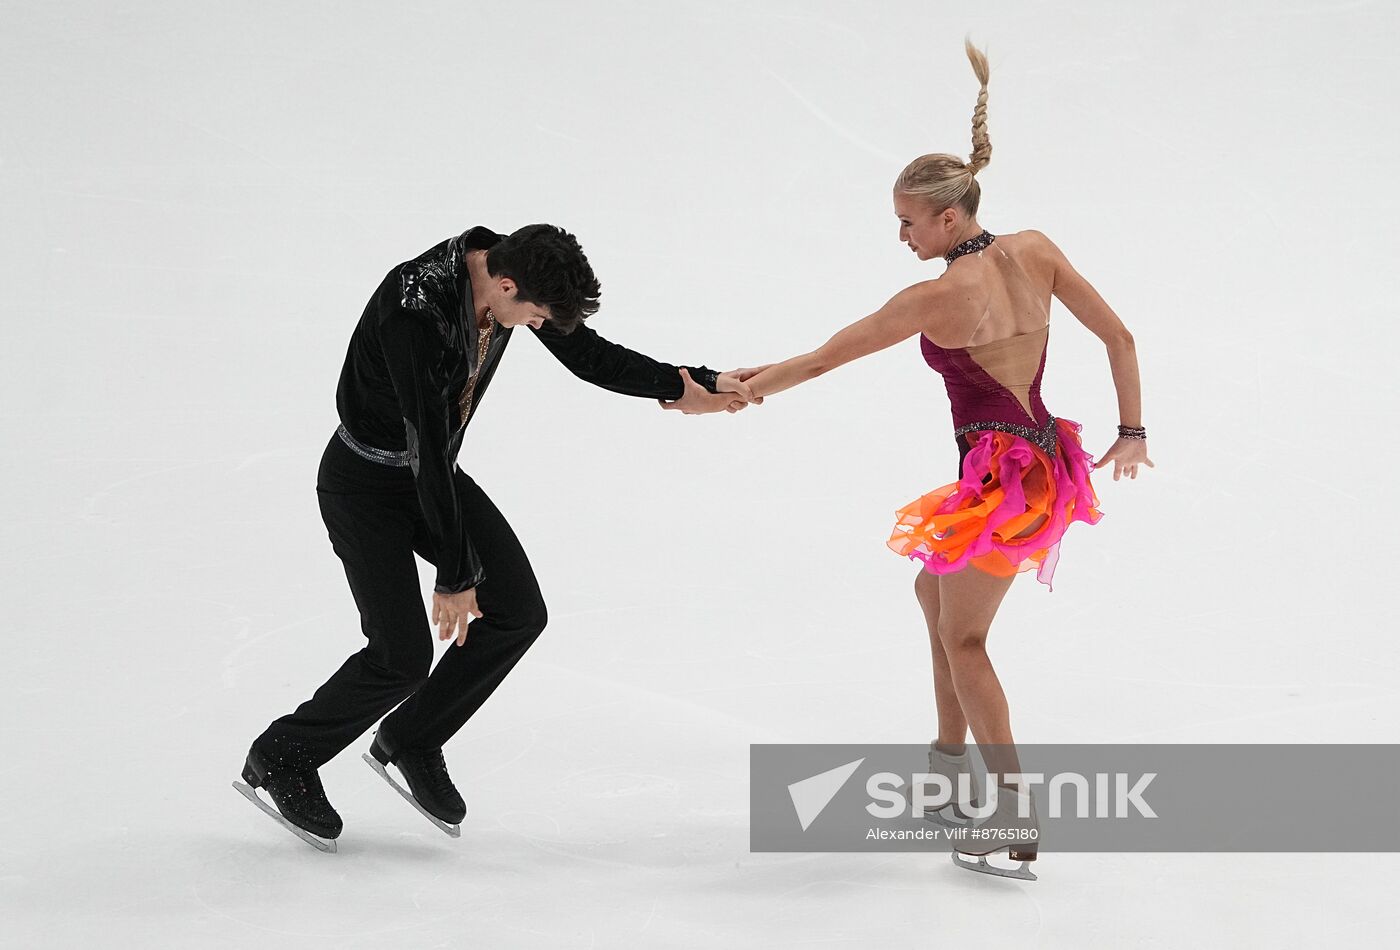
point(409, 360)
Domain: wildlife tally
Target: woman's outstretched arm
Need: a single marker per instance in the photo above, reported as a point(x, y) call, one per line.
point(906, 314)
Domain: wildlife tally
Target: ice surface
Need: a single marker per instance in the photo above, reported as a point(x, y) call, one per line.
point(197, 202)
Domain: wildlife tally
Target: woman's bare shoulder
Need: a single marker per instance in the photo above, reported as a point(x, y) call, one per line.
point(1035, 242)
point(945, 304)
point(1035, 252)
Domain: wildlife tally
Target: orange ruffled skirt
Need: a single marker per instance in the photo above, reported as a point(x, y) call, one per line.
point(1008, 511)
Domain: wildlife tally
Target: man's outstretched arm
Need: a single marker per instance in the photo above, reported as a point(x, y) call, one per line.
point(615, 368)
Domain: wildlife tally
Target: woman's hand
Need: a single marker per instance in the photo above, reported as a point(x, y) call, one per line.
point(1126, 455)
point(736, 381)
point(453, 612)
point(747, 374)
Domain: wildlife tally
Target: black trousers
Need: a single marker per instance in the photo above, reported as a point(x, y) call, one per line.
point(375, 523)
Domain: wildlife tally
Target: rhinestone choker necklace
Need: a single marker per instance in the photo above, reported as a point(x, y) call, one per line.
point(971, 244)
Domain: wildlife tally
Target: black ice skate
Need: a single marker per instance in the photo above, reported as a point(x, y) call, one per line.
point(432, 793)
point(302, 807)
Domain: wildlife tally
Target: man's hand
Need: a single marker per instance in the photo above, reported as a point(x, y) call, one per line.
point(453, 612)
point(696, 400)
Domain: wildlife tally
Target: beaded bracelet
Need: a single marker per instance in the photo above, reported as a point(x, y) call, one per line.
point(1132, 432)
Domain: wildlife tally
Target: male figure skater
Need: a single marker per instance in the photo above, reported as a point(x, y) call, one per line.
point(419, 361)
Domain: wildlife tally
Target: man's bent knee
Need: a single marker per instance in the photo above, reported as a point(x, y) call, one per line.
point(522, 620)
point(534, 618)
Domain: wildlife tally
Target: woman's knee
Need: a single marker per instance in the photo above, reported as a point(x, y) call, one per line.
point(959, 639)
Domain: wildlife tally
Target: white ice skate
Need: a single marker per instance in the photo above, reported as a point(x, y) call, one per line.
point(1004, 830)
point(950, 767)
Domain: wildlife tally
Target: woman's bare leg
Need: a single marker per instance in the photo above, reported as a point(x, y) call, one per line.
point(968, 601)
point(952, 723)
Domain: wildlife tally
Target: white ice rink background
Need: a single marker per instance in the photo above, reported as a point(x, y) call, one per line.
point(197, 201)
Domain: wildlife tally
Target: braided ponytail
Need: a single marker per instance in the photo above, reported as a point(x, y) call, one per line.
point(981, 144)
point(945, 180)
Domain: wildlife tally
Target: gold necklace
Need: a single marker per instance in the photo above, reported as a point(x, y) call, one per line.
point(483, 343)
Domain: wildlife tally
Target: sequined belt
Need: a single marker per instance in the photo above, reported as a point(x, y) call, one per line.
point(396, 459)
point(1045, 437)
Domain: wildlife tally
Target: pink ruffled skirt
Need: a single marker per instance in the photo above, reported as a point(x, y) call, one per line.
point(1008, 511)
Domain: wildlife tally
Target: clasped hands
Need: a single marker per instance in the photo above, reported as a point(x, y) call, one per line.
point(734, 393)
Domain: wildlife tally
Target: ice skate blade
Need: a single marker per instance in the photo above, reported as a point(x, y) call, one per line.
point(317, 842)
point(1022, 873)
point(453, 831)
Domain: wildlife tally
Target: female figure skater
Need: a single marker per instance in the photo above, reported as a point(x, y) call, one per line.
point(1023, 476)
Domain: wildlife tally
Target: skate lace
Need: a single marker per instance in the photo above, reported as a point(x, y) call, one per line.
point(434, 769)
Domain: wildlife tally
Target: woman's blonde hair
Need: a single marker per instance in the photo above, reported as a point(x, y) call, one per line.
point(945, 180)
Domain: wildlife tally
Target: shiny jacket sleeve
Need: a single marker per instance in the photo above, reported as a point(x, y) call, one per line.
point(616, 368)
point(415, 362)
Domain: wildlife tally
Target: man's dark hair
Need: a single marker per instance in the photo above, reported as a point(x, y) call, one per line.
point(550, 270)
